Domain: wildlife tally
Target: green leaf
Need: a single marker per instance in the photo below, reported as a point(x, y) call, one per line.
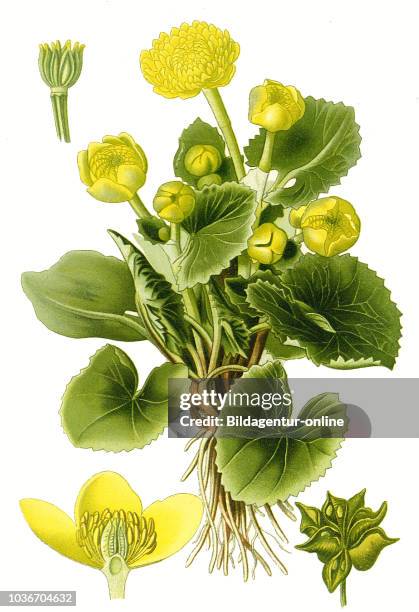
point(364, 521)
point(236, 289)
point(355, 503)
point(201, 133)
point(325, 542)
point(365, 554)
point(156, 299)
point(310, 520)
point(218, 228)
point(276, 349)
point(103, 409)
point(85, 295)
point(317, 152)
point(336, 570)
point(235, 337)
point(261, 469)
point(349, 298)
point(335, 510)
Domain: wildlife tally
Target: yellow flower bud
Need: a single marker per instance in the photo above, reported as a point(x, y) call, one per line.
point(267, 244)
point(210, 179)
point(274, 106)
point(330, 226)
point(295, 216)
point(113, 169)
point(201, 160)
point(174, 201)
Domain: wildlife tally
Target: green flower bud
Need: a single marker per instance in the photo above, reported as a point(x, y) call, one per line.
point(209, 179)
point(174, 201)
point(164, 234)
point(267, 244)
point(201, 160)
point(330, 226)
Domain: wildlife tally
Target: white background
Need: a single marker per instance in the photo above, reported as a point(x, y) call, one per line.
point(362, 53)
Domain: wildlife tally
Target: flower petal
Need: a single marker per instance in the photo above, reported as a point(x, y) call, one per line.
point(106, 190)
point(84, 169)
point(176, 520)
point(55, 528)
point(106, 491)
point(131, 177)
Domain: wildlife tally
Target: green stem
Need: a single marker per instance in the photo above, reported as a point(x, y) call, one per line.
point(220, 112)
point(139, 207)
point(227, 368)
point(116, 572)
point(201, 331)
point(192, 309)
point(216, 323)
point(266, 159)
point(259, 327)
point(59, 107)
point(175, 236)
point(343, 601)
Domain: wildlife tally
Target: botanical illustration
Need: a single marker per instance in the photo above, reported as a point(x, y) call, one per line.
point(239, 264)
point(344, 534)
point(111, 531)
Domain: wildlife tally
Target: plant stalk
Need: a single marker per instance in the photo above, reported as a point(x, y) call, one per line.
point(139, 207)
point(116, 572)
point(59, 97)
point(343, 600)
point(220, 112)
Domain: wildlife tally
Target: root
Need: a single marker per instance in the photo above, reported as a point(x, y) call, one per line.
point(234, 532)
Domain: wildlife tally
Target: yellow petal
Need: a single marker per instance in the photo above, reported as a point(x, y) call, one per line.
point(95, 147)
point(131, 177)
point(112, 140)
point(176, 520)
point(130, 142)
point(84, 170)
point(106, 491)
point(106, 190)
point(55, 528)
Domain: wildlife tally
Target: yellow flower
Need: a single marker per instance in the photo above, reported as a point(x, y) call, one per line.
point(267, 244)
point(113, 169)
point(330, 225)
point(111, 531)
point(191, 58)
point(174, 201)
point(274, 106)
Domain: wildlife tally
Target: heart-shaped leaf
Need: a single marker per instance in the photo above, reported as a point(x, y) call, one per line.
point(316, 152)
point(218, 229)
point(270, 466)
point(86, 295)
point(356, 322)
point(103, 408)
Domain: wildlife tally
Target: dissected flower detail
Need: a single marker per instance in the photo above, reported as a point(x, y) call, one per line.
point(343, 534)
point(60, 67)
point(274, 106)
point(267, 244)
point(201, 160)
point(174, 201)
point(113, 169)
point(330, 225)
point(111, 531)
point(191, 58)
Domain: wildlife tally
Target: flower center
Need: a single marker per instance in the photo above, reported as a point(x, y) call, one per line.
point(126, 534)
point(105, 163)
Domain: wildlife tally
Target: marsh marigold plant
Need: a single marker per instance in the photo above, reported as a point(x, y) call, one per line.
point(241, 267)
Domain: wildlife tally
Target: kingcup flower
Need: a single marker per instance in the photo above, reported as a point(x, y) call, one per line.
point(267, 244)
point(201, 160)
point(113, 169)
point(191, 58)
point(330, 225)
point(274, 106)
point(111, 531)
point(174, 201)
